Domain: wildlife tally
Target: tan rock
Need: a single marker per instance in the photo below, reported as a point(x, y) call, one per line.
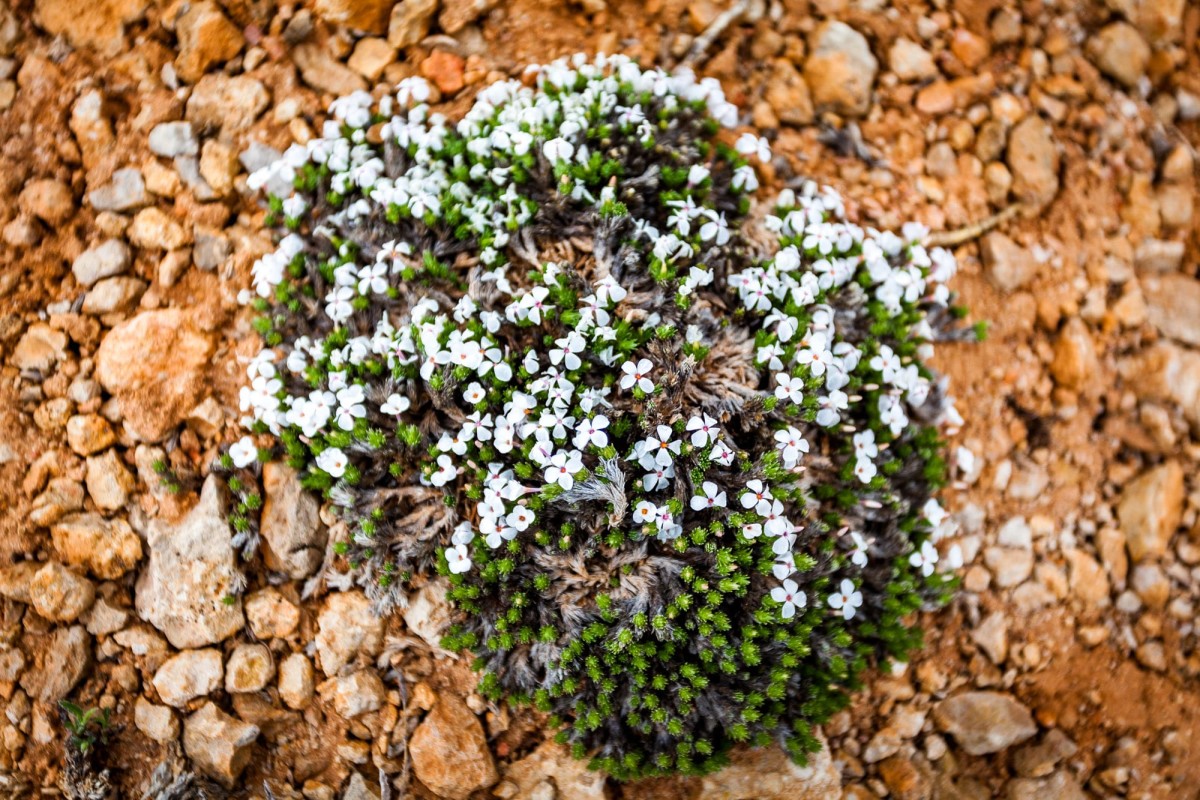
point(1150, 510)
point(1075, 363)
point(984, 722)
point(154, 229)
point(458, 14)
point(89, 433)
point(1009, 266)
point(1166, 372)
point(410, 21)
point(155, 365)
point(60, 665)
point(188, 675)
point(1088, 581)
point(449, 751)
point(157, 722)
point(296, 681)
point(370, 57)
point(550, 761)
point(271, 615)
point(910, 61)
point(1033, 160)
point(347, 627)
point(108, 481)
point(324, 73)
point(1173, 306)
point(59, 594)
point(99, 24)
point(230, 104)
point(293, 537)
point(218, 166)
point(357, 693)
point(47, 199)
point(1120, 52)
point(370, 16)
point(206, 38)
point(106, 548)
point(787, 94)
point(250, 668)
point(768, 774)
point(841, 69)
point(40, 348)
point(220, 745)
point(188, 589)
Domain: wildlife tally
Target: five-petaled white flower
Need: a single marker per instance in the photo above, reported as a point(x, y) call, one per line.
point(563, 466)
point(333, 461)
point(846, 600)
point(591, 431)
point(660, 447)
point(558, 150)
point(645, 512)
point(789, 388)
point(395, 405)
point(243, 452)
point(791, 445)
point(713, 497)
point(925, 558)
point(458, 559)
point(635, 374)
point(704, 430)
point(790, 597)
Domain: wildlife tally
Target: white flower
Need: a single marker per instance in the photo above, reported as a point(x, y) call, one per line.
point(243, 452)
point(858, 556)
point(789, 388)
point(591, 431)
point(704, 430)
point(933, 511)
point(458, 558)
point(713, 497)
point(864, 469)
point(721, 454)
point(847, 599)
point(757, 496)
point(395, 405)
point(791, 444)
point(474, 393)
point(445, 471)
point(635, 373)
point(520, 518)
point(644, 512)
point(790, 596)
point(660, 447)
point(563, 466)
point(750, 145)
point(925, 558)
point(864, 444)
point(558, 150)
point(333, 461)
point(658, 478)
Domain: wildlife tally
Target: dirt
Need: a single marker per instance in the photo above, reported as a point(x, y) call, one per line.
point(1121, 714)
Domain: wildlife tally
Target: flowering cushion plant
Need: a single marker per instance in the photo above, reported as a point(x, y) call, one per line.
point(675, 458)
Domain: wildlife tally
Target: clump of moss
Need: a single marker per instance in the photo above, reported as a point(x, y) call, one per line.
point(676, 460)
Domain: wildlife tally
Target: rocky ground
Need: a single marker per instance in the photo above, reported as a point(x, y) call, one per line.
point(1066, 669)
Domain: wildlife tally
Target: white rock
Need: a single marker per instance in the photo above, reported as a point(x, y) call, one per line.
point(186, 588)
point(157, 722)
point(346, 627)
point(191, 674)
point(102, 261)
point(296, 681)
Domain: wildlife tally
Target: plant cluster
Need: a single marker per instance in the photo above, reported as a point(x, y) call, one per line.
point(676, 460)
